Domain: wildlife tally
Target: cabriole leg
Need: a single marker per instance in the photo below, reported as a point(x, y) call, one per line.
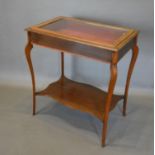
point(130, 70)
point(28, 49)
point(113, 69)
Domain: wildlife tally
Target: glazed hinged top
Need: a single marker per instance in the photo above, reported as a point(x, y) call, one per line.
point(86, 32)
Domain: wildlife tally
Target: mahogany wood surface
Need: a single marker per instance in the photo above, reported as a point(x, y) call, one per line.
point(100, 42)
point(71, 47)
point(28, 49)
point(78, 29)
point(111, 87)
point(131, 67)
point(80, 96)
point(85, 32)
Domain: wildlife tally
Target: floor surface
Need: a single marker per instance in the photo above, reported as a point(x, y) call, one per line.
point(58, 130)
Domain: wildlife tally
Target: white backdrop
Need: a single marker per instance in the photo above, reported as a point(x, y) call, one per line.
point(16, 15)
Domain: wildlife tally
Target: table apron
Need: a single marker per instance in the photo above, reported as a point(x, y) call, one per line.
point(127, 47)
point(71, 47)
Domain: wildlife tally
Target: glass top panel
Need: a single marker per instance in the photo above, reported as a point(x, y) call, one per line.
point(86, 31)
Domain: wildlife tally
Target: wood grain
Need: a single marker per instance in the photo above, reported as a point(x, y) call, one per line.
point(80, 96)
point(71, 47)
point(135, 51)
point(100, 42)
point(28, 49)
point(89, 33)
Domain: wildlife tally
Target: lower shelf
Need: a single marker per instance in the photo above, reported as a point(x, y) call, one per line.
point(79, 96)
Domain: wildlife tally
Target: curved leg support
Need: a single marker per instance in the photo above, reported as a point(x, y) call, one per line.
point(28, 48)
point(113, 69)
point(131, 67)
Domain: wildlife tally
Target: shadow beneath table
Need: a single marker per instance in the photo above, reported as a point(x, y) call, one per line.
point(126, 132)
point(77, 118)
point(73, 117)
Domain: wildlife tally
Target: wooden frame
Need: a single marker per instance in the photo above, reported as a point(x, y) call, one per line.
point(71, 93)
point(115, 47)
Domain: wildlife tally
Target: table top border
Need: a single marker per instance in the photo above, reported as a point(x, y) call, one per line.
point(118, 44)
